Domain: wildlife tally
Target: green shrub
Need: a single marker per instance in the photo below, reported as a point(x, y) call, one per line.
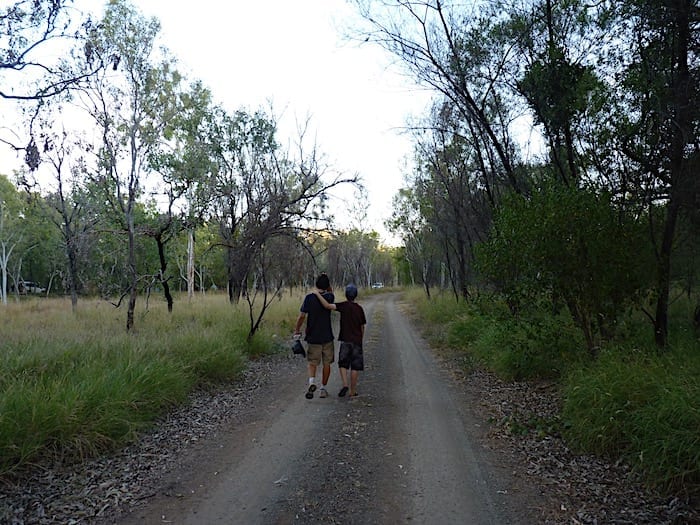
point(537, 346)
point(568, 245)
point(643, 407)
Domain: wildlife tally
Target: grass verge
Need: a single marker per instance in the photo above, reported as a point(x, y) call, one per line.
point(76, 385)
point(632, 403)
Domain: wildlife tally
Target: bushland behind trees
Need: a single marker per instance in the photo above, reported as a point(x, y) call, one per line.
point(610, 91)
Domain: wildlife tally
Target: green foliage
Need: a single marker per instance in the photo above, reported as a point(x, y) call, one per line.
point(539, 346)
point(466, 329)
point(558, 90)
point(76, 386)
point(643, 407)
point(29, 242)
point(40, 243)
point(568, 246)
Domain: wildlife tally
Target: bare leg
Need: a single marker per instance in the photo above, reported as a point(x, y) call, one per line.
point(326, 373)
point(344, 375)
point(312, 370)
point(312, 384)
point(354, 376)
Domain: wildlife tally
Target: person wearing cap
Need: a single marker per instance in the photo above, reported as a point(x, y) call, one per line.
point(352, 332)
point(319, 335)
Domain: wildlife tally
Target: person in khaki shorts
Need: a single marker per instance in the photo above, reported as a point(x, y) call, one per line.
point(318, 335)
point(352, 331)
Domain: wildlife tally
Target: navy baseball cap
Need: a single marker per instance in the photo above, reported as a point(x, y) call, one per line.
point(351, 291)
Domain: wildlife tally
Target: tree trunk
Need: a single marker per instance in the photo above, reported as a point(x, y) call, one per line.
point(161, 274)
point(3, 271)
point(582, 319)
point(680, 174)
point(235, 276)
point(72, 272)
point(190, 264)
point(132, 271)
point(239, 262)
point(664, 275)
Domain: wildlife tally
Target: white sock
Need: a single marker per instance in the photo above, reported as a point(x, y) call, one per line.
point(311, 381)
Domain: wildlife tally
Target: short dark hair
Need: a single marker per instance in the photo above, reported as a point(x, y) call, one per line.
point(322, 282)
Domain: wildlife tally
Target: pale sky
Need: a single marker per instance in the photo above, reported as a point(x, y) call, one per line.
point(293, 54)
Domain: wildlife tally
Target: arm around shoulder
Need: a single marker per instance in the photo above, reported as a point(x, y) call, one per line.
point(324, 303)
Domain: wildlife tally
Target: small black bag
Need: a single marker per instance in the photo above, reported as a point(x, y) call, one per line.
point(298, 348)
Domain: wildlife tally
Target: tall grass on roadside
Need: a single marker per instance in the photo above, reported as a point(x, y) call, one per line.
point(533, 346)
point(434, 313)
point(77, 385)
point(634, 402)
point(644, 407)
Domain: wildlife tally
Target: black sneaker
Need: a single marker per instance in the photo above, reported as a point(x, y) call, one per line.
point(310, 392)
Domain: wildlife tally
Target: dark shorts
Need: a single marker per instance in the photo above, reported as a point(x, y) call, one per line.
point(350, 356)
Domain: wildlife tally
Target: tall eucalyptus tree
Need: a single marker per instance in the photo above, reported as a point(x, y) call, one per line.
point(132, 102)
point(459, 201)
point(187, 164)
point(409, 221)
point(351, 257)
point(68, 207)
point(447, 46)
point(558, 43)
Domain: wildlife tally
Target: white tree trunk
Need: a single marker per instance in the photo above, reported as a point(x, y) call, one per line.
point(202, 277)
point(3, 269)
point(190, 264)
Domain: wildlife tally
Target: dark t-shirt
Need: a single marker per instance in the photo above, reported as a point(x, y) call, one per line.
point(352, 317)
point(318, 319)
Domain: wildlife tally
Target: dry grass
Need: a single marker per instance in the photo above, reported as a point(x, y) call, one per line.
point(76, 383)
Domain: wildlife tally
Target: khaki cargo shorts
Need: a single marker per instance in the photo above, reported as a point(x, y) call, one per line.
point(315, 354)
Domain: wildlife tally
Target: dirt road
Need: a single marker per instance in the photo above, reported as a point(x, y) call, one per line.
point(407, 450)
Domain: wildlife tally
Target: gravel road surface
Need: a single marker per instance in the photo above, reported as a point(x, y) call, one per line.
point(428, 441)
point(406, 450)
